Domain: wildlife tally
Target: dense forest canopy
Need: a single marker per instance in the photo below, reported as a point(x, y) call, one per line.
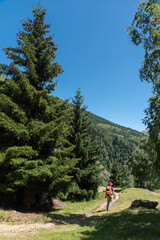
point(117, 142)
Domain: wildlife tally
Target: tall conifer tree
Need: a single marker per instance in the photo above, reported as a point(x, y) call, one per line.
point(115, 174)
point(34, 151)
point(86, 174)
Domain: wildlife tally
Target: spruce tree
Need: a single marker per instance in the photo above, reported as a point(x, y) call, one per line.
point(35, 154)
point(115, 174)
point(35, 53)
point(86, 174)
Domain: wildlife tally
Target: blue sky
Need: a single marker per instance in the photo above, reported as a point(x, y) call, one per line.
point(94, 51)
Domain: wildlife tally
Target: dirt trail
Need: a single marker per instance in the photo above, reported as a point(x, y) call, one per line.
point(102, 205)
point(105, 203)
point(11, 230)
point(153, 193)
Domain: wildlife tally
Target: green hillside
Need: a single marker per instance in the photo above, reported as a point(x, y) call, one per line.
point(117, 142)
point(2, 78)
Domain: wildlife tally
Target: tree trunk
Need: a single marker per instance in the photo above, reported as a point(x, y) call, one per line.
point(26, 198)
point(151, 178)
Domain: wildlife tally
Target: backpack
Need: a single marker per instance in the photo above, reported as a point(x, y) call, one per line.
point(109, 191)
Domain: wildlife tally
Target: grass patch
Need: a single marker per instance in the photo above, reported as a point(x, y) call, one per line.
point(157, 190)
point(4, 216)
point(120, 223)
point(82, 207)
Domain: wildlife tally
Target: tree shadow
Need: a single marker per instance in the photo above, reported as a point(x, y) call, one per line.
point(80, 219)
point(126, 225)
point(119, 190)
point(141, 224)
point(103, 210)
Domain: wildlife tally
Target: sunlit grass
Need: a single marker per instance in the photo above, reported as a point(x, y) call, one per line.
point(120, 223)
point(82, 207)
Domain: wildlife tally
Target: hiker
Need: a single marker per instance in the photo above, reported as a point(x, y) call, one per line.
point(109, 195)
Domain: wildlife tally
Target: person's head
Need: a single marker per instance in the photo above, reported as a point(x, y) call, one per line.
point(110, 184)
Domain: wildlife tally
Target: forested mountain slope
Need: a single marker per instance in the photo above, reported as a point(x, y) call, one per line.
point(117, 142)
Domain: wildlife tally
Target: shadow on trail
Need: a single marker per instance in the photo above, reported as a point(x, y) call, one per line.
point(126, 225)
point(119, 190)
point(101, 211)
point(80, 219)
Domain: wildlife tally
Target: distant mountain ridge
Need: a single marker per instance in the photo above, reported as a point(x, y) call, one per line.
point(144, 132)
point(117, 142)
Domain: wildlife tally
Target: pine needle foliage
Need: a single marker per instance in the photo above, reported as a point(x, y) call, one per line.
point(35, 53)
point(86, 174)
point(115, 174)
point(36, 159)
